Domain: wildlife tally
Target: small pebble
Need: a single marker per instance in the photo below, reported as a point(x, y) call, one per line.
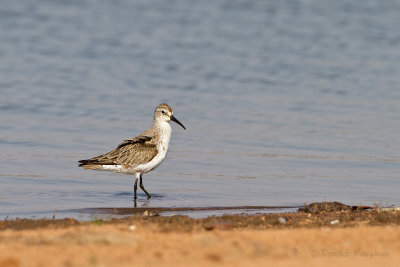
point(132, 227)
point(335, 221)
point(282, 220)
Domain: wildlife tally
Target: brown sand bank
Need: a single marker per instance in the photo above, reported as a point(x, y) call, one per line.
point(338, 238)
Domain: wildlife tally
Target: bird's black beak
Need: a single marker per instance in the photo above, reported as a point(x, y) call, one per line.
point(178, 122)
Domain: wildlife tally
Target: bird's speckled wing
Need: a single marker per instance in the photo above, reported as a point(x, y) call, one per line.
point(131, 152)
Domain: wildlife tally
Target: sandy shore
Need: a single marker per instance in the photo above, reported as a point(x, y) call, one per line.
point(356, 238)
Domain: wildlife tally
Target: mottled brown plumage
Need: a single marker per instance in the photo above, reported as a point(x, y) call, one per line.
point(130, 153)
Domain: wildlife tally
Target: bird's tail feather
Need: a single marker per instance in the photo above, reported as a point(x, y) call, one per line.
point(93, 163)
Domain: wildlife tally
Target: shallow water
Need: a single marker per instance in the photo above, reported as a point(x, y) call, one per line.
point(285, 102)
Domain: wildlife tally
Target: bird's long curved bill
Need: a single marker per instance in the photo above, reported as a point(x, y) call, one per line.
point(178, 122)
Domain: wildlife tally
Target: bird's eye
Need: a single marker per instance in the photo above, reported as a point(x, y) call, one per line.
point(163, 112)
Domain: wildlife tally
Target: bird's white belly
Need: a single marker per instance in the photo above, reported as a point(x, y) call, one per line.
point(154, 163)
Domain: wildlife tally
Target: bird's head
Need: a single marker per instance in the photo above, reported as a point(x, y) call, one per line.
point(165, 113)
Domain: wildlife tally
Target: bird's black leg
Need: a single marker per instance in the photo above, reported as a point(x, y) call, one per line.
point(144, 190)
point(135, 188)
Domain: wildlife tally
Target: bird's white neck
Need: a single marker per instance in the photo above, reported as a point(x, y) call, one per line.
point(163, 128)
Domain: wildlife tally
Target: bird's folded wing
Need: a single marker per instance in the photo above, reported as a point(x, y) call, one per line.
point(135, 154)
point(129, 153)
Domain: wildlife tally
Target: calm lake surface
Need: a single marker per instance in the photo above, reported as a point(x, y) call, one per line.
point(285, 102)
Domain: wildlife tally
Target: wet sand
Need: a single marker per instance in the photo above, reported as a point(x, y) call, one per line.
point(312, 237)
